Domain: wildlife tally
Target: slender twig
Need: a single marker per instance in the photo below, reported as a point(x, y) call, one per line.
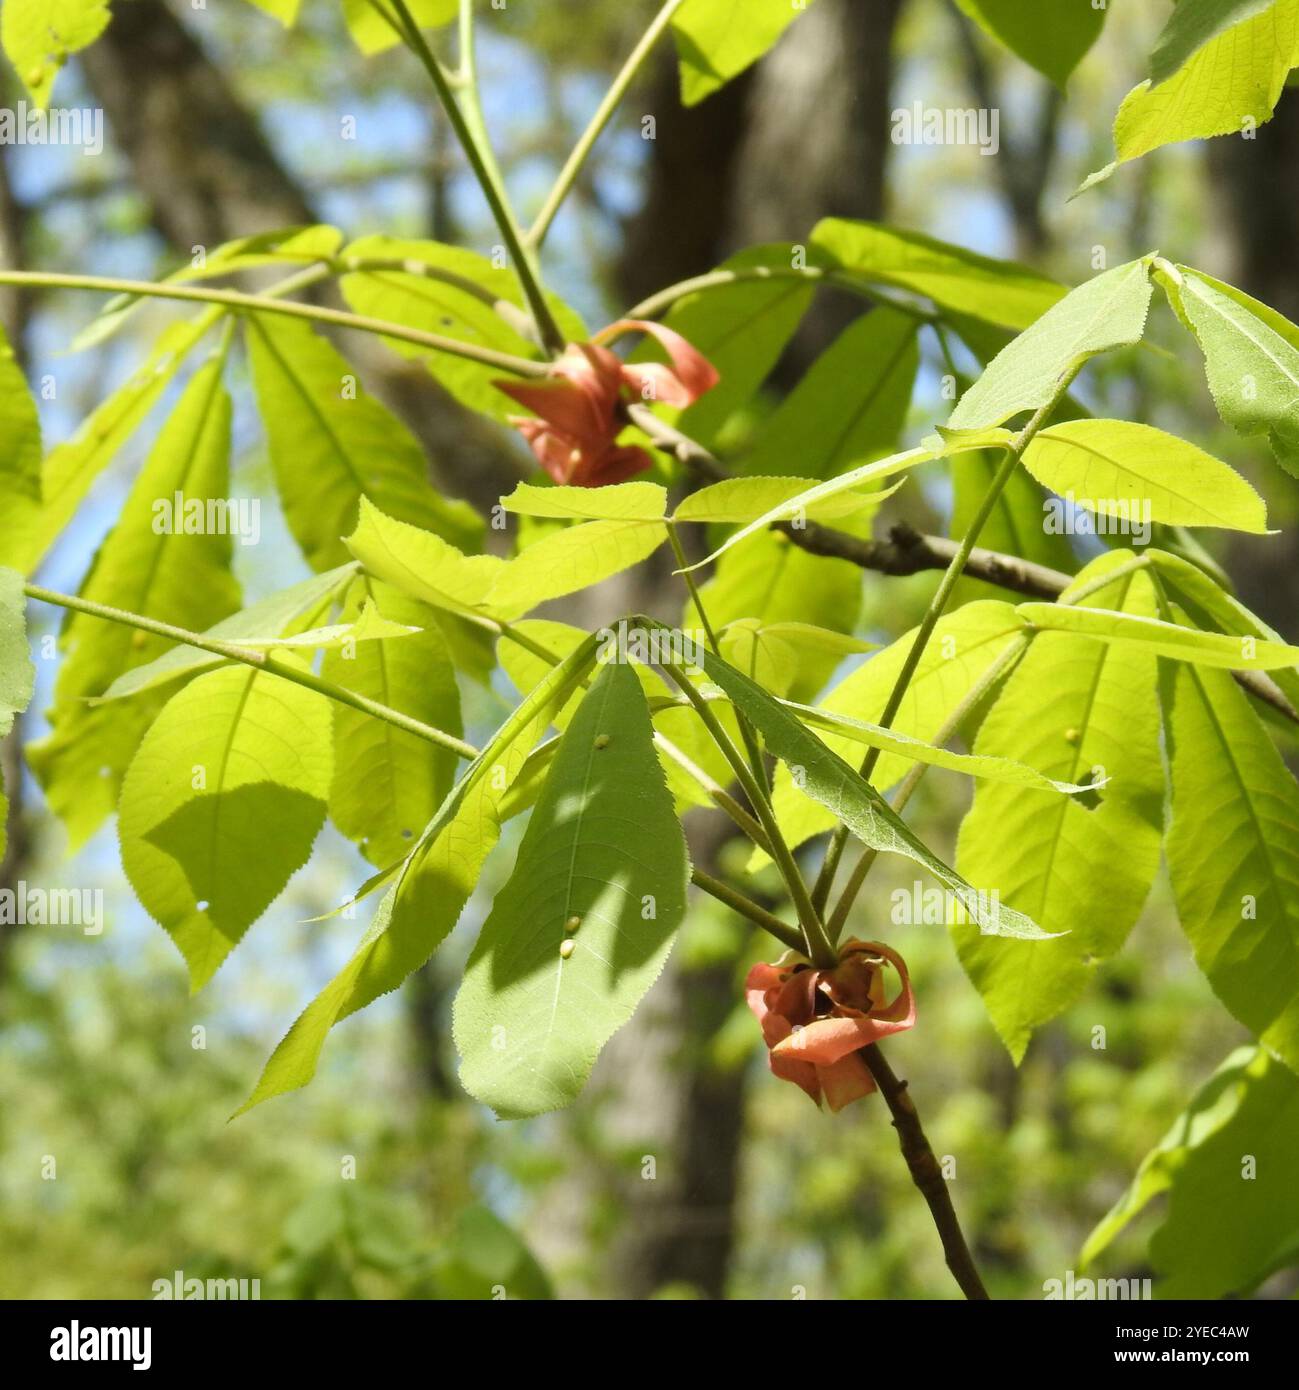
point(815, 942)
point(264, 304)
point(925, 1171)
point(480, 161)
point(261, 660)
point(746, 907)
point(603, 115)
point(935, 610)
point(662, 300)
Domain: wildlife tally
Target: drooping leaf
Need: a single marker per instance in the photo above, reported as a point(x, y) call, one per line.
point(1106, 312)
point(999, 292)
point(17, 675)
point(221, 805)
point(150, 566)
point(288, 611)
point(373, 34)
point(387, 783)
point(454, 293)
point(1233, 853)
point(717, 39)
point(31, 525)
point(40, 35)
point(331, 444)
point(1251, 358)
point(1245, 653)
point(1222, 1232)
point(1113, 465)
point(603, 863)
point(825, 777)
point(1079, 711)
point(430, 887)
point(1053, 44)
point(849, 407)
point(1227, 86)
point(964, 645)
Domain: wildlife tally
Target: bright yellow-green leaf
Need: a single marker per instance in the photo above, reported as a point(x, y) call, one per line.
point(1243, 653)
point(572, 559)
point(17, 676)
point(20, 432)
point(718, 39)
point(286, 11)
point(603, 864)
point(1080, 712)
point(30, 526)
point(373, 33)
point(332, 444)
point(1228, 87)
point(744, 499)
point(1001, 292)
point(158, 573)
point(1135, 471)
point(636, 501)
point(221, 804)
point(430, 887)
point(1106, 312)
point(286, 612)
point(40, 35)
point(387, 783)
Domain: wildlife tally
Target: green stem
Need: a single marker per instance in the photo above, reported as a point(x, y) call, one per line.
point(951, 726)
point(815, 942)
point(603, 115)
point(746, 907)
point(263, 661)
point(937, 605)
point(264, 304)
point(659, 303)
point(481, 161)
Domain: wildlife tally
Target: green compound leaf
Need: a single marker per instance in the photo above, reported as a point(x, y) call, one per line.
point(430, 887)
point(17, 675)
point(604, 846)
point(40, 35)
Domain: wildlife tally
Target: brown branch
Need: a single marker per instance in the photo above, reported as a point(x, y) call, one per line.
point(908, 551)
point(925, 1172)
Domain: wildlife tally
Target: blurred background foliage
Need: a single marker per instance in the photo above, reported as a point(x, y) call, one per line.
point(684, 1170)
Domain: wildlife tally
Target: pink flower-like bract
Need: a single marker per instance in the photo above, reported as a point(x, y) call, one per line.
point(579, 411)
point(815, 1022)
